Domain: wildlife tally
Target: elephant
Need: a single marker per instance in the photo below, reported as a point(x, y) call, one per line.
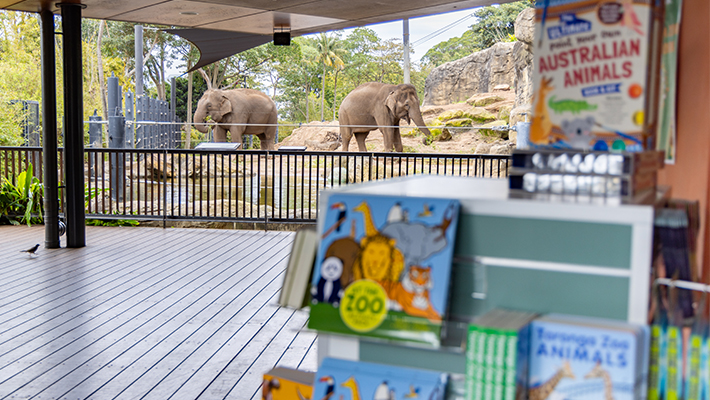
point(379, 104)
point(238, 106)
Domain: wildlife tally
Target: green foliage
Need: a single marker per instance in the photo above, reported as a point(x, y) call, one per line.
point(198, 88)
point(112, 222)
point(22, 202)
point(91, 193)
point(493, 24)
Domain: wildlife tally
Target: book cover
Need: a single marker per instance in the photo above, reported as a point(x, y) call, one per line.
point(594, 85)
point(583, 362)
point(383, 267)
point(353, 380)
point(287, 384)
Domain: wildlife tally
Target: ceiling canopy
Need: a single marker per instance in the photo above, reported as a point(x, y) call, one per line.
point(221, 28)
point(258, 17)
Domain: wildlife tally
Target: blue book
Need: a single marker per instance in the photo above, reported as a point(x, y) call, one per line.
point(383, 267)
point(586, 360)
point(352, 380)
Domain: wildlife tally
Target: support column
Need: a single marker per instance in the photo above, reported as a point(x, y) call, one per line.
point(49, 131)
point(73, 125)
point(405, 28)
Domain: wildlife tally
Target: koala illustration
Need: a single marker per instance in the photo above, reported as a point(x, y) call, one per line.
point(579, 132)
point(328, 289)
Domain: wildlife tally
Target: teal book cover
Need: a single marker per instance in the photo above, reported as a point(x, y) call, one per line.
point(583, 363)
point(383, 267)
point(354, 380)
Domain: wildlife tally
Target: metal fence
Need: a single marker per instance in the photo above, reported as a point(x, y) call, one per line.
point(236, 186)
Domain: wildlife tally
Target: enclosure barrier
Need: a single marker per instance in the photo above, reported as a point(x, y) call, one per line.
point(235, 186)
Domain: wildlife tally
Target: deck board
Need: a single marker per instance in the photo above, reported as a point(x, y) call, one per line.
point(146, 313)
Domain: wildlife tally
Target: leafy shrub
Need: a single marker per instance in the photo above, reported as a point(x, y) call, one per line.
point(23, 202)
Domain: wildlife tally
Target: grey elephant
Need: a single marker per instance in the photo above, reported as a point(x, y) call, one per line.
point(238, 106)
point(378, 104)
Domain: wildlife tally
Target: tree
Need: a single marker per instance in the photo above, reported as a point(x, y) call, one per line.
point(493, 24)
point(329, 54)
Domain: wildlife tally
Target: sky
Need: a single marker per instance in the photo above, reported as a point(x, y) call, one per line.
point(426, 32)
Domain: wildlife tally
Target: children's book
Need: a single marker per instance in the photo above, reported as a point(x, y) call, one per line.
point(294, 292)
point(497, 355)
point(352, 380)
point(287, 384)
point(383, 267)
point(587, 358)
point(596, 74)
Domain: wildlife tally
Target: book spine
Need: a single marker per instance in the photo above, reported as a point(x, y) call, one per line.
point(674, 371)
point(489, 366)
point(499, 362)
point(692, 387)
point(705, 370)
point(511, 355)
point(472, 368)
point(654, 363)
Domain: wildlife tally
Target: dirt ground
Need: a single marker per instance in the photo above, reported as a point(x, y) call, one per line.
point(325, 135)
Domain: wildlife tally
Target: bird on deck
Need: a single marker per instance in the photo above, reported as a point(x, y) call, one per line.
point(31, 250)
point(330, 389)
point(427, 212)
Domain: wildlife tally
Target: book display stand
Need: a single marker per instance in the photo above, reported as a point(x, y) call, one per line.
point(541, 257)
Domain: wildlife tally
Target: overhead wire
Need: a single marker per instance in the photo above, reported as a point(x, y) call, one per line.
point(442, 30)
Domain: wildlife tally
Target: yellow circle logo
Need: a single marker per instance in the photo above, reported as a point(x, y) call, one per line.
point(363, 306)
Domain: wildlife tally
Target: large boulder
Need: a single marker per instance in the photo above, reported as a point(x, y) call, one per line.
point(480, 72)
point(502, 66)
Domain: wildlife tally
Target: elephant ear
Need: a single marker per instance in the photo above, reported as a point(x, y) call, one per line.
point(225, 105)
point(391, 102)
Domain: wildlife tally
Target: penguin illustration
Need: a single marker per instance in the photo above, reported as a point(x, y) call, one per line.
point(395, 213)
point(383, 392)
point(328, 289)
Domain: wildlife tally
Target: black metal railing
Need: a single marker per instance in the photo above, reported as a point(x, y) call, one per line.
point(236, 186)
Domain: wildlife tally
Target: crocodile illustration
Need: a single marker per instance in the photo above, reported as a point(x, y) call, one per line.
point(573, 106)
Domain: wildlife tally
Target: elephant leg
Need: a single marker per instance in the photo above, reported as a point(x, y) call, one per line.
point(267, 138)
point(360, 138)
point(237, 132)
point(219, 134)
point(387, 134)
point(397, 141)
point(345, 135)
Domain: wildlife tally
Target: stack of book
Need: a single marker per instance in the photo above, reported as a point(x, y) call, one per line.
point(588, 358)
point(496, 355)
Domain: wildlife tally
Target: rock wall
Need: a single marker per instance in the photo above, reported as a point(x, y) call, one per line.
point(480, 72)
point(502, 64)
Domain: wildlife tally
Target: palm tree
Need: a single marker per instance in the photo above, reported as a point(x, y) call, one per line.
point(329, 51)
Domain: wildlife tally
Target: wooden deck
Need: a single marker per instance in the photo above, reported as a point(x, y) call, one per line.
point(146, 313)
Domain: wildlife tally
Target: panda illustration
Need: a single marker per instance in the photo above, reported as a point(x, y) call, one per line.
point(328, 289)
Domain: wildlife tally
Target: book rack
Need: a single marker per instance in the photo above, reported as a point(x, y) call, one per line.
point(581, 259)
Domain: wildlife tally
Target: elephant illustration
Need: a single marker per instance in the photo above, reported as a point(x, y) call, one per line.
point(238, 106)
point(379, 104)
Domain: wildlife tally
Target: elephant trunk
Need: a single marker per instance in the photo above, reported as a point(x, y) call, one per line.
point(416, 116)
point(199, 118)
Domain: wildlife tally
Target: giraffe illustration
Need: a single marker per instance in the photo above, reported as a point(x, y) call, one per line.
point(541, 126)
point(351, 384)
point(543, 391)
point(599, 372)
point(370, 228)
